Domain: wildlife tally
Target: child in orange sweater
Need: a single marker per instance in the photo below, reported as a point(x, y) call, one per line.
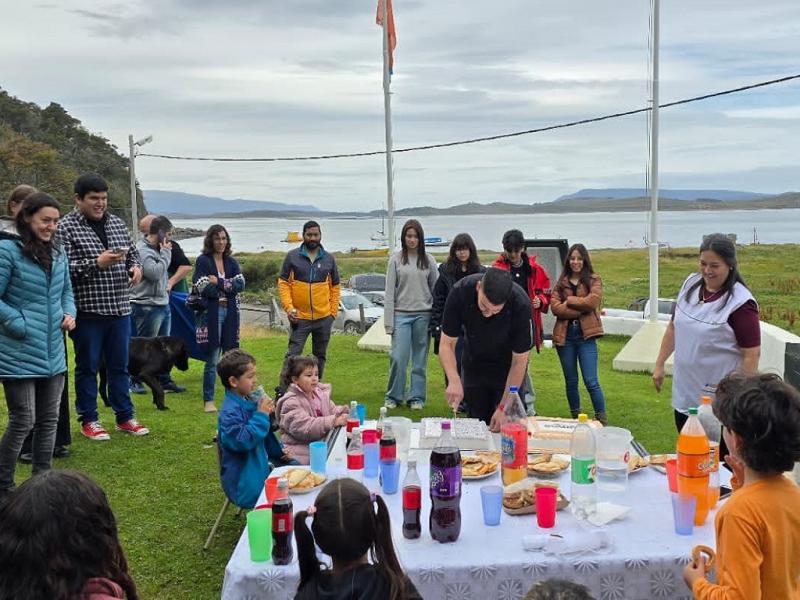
point(758, 529)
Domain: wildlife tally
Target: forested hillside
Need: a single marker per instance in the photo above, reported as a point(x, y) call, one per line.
point(48, 148)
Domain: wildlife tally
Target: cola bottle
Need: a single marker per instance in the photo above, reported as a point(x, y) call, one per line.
point(388, 443)
point(282, 525)
point(412, 502)
point(445, 488)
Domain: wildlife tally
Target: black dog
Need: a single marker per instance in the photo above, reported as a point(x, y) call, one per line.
point(148, 358)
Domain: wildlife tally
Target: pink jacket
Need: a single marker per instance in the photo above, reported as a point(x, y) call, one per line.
point(299, 422)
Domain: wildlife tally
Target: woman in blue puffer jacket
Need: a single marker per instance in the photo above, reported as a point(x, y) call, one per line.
point(36, 305)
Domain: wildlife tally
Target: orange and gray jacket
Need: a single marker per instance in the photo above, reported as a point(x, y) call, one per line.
point(310, 287)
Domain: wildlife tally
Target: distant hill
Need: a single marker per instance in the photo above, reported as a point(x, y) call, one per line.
point(196, 205)
point(686, 195)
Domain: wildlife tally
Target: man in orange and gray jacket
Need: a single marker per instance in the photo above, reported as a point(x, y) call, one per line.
point(308, 286)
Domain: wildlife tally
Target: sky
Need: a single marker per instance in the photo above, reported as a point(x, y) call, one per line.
point(275, 78)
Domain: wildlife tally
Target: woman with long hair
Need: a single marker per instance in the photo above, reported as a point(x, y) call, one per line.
point(410, 277)
point(353, 528)
point(714, 330)
point(59, 540)
point(36, 306)
point(575, 302)
point(8, 228)
point(219, 280)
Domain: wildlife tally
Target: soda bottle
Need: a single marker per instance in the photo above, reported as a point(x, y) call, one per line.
point(445, 488)
point(583, 447)
point(282, 525)
point(352, 421)
point(514, 438)
point(412, 502)
point(381, 422)
point(355, 456)
point(693, 464)
point(388, 443)
point(713, 429)
point(371, 452)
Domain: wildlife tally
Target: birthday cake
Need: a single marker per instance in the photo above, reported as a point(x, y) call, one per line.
point(552, 434)
point(470, 434)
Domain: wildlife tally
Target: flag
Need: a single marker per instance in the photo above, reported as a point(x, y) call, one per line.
point(392, 32)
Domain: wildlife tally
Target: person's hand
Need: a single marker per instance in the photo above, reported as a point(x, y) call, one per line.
point(658, 377)
point(536, 302)
point(213, 280)
point(340, 420)
point(166, 244)
point(169, 287)
point(498, 418)
point(454, 393)
point(737, 465)
point(108, 257)
point(694, 571)
point(136, 275)
point(292, 314)
point(266, 405)
point(67, 323)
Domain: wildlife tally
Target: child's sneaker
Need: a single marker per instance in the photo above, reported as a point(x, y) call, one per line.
point(95, 431)
point(390, 404)
point(416, 405)
point(133, 427)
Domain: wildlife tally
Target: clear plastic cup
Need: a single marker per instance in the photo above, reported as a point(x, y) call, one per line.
point(492, 504)
point(683, 507)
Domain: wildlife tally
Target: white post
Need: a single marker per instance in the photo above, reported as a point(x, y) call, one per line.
point(387, 109)
point(654, 172)
point(134, 210)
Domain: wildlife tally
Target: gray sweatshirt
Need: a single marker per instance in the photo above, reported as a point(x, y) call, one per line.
point(408, 288)
point(152, 289)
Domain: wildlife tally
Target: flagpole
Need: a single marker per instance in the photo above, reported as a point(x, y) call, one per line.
point(653, 316)
point(387, 111)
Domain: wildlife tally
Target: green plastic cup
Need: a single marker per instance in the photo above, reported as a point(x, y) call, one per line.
point(259, 534)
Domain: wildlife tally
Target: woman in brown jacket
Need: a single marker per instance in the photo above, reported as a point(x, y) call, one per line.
point(575, 303)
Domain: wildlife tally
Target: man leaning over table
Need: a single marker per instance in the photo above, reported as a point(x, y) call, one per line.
point(495, 317)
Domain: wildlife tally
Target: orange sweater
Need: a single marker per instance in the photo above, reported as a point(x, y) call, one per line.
point(758, 544)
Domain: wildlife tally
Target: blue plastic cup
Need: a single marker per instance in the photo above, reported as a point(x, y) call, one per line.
point(683, 508)
point(390, 476)
point(372, 455)
point(362, 413)
point(318, 452)
point(492, 504)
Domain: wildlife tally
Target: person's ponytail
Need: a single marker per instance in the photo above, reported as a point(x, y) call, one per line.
point(384, 554)
point(306, 554)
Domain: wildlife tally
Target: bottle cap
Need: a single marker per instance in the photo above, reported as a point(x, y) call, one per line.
point(582, 418)
point(446, 425)
point(513, 389)
point(283, 483)
point(693, 410)
point(706, 399)
point(353, 403)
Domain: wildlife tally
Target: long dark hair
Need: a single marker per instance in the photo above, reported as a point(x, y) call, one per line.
point(422, 257)
point(208, 241)
point(294, 367)
point(461, 241)
point(56, 532)
point(346, 526)
point(18, 194)
point(32, 247)
point(722, 246)
point(587, 271)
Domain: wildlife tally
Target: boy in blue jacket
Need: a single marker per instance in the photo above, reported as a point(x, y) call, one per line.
point(246, 439)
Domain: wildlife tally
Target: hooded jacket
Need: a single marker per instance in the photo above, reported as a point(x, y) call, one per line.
point(310, 287)
point(299, 422)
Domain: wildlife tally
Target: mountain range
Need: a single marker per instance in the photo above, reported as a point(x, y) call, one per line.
point(196, 205)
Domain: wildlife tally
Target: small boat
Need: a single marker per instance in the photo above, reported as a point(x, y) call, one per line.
point(292, 236)
point(436, 242)
point(384, 251)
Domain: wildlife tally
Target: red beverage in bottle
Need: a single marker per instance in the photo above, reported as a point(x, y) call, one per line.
point(282, 525)
point(388, 443)
point(412, 503)
point(445, 490)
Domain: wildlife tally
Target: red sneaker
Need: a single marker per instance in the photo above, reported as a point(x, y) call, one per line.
point(94, 431)
point(133, 427)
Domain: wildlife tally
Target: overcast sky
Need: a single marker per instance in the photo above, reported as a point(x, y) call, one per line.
point(267, 78)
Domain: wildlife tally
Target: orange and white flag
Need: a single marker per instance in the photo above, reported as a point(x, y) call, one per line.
point(391, 30)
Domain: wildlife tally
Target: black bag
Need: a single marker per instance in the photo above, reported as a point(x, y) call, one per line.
point(194, 301)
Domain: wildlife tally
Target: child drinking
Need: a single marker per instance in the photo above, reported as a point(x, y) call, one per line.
point(758, 529)
point(348, 524)
point(306, 412)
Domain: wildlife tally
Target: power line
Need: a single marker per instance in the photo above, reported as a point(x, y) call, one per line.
point(490, 138)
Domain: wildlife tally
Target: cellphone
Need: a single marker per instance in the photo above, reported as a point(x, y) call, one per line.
point(162, 236)
point(724, 491)
point(119, 250)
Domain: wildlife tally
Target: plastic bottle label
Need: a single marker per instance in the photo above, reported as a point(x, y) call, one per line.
point(583, 470)
point(694, 465)
point(412, 498)
point(713, 452)
point(514, 447)
point(355, 461)
point(446, 483)
point(282, 522)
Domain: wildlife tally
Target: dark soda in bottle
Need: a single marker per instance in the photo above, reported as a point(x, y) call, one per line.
point(282, 525)
point(388, 443)
point(445, 490)
point(412, 502)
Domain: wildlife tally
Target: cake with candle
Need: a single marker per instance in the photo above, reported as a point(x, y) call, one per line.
point(470, 434)
point(552, 434)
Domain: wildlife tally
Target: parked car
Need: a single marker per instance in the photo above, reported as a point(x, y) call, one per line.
point(367, 282)
point(665, 305)
point(349, 317)
point(377, 297)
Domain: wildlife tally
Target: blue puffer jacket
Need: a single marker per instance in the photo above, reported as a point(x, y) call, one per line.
point(32, 306)
point(246, 442)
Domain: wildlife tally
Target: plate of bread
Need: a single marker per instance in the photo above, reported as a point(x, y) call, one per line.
point(520, 498)
point(637, 463)
point(546, 465)
point(480, 465)
point(302, 481)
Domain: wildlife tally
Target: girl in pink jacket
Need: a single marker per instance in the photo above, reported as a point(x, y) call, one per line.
point(306, 412)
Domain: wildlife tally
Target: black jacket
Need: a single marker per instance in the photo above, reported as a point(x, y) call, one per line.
point(361, 583)
point(449, 275)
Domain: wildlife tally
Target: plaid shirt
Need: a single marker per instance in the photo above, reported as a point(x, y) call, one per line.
point(98, 291)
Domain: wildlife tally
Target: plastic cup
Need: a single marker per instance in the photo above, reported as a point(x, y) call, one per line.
point(390, 476)
point(259, 534)
point(546, 498)
point(362, 413)
point(672, 474)
point(270, 489)
point(318, 453)
point(683, 507)
point(492, 504)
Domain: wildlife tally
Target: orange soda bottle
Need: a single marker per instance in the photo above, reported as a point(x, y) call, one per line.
point(514, 439)
point(693, 465)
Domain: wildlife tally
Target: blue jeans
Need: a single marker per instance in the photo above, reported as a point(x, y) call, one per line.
point(410, 340)
point(214, 354)
point(576, 350)
point(111, 339)
point(151, 320)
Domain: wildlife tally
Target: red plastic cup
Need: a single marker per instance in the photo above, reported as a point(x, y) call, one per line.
point(546, 498)
point(672, 474)
point(270, 489)
point(369, 436)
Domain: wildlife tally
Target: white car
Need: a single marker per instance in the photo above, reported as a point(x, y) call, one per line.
point(348, 318)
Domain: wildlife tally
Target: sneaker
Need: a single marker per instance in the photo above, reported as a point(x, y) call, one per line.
point(416, 405)
point(133, 427)
point(390, 404)
point(61, 452)
point(25, 458)
point(95, 431)
point(173, 388)
point(138, 388)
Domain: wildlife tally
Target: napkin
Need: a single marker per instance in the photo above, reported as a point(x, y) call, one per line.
point(607, 512)
point(571, 543)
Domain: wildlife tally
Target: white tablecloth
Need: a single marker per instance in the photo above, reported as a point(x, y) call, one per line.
point(645, 561)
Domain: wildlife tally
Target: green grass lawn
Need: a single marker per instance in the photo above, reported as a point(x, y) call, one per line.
point(165, 491)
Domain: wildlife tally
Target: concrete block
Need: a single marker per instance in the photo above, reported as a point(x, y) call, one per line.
point(641, 351)
point(376, 339)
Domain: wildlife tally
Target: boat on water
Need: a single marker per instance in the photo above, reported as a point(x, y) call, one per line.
point(383, 251)
point(436, 242)
point(292, 236)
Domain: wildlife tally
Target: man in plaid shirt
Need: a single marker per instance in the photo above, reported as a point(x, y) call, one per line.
point(103, 263)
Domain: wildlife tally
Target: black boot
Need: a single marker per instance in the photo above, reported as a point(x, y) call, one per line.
point(575, 413)
point(601, 416)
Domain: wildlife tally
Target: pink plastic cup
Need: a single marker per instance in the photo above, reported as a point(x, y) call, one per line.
point(546, 498)
point(672, 474)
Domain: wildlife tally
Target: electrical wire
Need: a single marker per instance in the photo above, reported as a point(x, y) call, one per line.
point(490, 138)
